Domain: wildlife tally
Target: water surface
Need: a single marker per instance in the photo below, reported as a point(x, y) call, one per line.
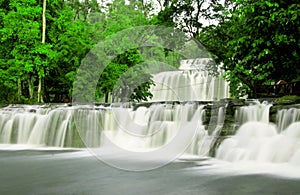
point(78, 172)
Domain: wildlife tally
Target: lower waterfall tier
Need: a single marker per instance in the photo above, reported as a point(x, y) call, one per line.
point(134, 129)
point(147, 128)
point(257, 141)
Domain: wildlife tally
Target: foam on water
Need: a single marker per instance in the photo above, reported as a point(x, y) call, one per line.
point(261, 142)
point(215, 166)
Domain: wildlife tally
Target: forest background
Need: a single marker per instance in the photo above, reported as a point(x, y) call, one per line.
point(43, 42)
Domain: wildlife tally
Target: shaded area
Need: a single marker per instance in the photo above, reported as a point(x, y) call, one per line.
point(279, 89)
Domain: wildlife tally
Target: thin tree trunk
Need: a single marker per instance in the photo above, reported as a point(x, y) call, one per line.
point(40, 91)
point(19, 89)
point(30, 88)
point(44, 22)
point(106, 97)
point(40, 94)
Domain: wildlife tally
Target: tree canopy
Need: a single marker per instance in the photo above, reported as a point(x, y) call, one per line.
point(37, 61)
point(43, 43)
point(258, 43)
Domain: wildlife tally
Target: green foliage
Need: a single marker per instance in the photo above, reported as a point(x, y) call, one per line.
point(133, 85)
point(72, 28)
point(19, 36)
point(113, 80)
point(259, 43)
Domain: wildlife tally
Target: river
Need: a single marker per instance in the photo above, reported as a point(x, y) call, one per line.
point(52, 171)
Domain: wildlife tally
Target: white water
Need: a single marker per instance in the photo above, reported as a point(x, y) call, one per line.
point(140, 129)
point(32, 125)
point(258, 140)
point(256, 111)
point(190, 83)
point(285, 117)
point(146, 129)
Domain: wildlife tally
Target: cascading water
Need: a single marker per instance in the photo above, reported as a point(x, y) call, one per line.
point(261, 141)
point(190, 83)
point(34, 125)
point(146, 128)
point(58, 126)
point(285, 117)
point(256, 111)
point(133, 128)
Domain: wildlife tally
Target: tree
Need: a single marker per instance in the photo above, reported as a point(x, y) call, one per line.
point(258, 44)
point(40, 96)
point(35, 57)
point(82, 9)
point(190, 16)
point(43, 43)
point(21, 30)
point(119, 76)
point(71, 40)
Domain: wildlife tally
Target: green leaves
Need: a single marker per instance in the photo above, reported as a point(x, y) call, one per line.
point(259, 43)
point(272, 4)
point(121, 76)
point(23, 54)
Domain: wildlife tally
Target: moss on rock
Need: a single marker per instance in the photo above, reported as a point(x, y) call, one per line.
point(288, 99)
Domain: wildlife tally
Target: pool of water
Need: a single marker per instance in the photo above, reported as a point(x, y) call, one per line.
point(51, 171)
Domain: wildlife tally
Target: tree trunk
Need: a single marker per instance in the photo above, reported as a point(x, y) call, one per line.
point(40, 91)
point(106, 97)
point(19, 89)
point(30, 88)
point(44, 22)
point(124, 94)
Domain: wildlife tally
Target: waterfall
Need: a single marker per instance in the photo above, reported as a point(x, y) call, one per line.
point(285, 117)
point(256, 111)
point(190, 83)
point(147, 127)
point(261, 141)
point(35, 125)
point(136, 128)
point(132, 127)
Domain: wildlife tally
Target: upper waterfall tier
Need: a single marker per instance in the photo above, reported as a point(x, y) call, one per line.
point(190, 83)
point(194, 64)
